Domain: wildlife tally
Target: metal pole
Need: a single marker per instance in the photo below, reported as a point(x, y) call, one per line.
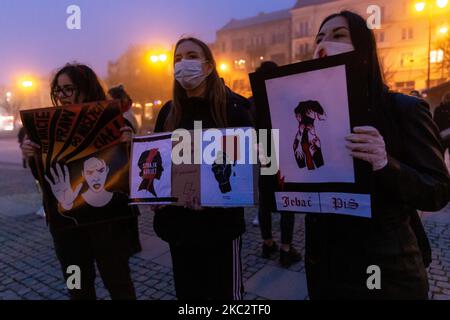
point(429, 47)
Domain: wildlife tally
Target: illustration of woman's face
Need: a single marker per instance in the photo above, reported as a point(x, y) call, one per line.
point(95, 173)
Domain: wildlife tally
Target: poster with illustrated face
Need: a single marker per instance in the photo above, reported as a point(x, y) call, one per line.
point(92, 189)
point(82, 166)
point(315, 120)
point(229, 179)
point(314, 105)
point(151, 170)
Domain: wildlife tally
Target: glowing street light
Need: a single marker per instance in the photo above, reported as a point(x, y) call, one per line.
point(27, 83)
point(420, 6)
point(443, 30)
point(442, 3)
point(223, 67)
point(154, 58)
point(163, 57)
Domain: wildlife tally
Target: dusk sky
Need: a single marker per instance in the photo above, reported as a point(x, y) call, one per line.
point(34, 38)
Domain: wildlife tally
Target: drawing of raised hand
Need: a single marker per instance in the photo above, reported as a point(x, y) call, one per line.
point(59, 182)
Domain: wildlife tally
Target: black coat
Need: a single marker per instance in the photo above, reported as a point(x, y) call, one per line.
point(180, 225)
point(339, 249)
point(442, 119)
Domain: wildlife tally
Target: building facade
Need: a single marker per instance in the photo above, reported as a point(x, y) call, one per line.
point(242, 45)
point(402, 39)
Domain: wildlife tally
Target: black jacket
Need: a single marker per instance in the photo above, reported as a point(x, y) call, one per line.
point(340, 248)
point(179, 225)
point(442, 119)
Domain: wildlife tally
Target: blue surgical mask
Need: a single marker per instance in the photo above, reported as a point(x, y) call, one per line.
point(189, 73)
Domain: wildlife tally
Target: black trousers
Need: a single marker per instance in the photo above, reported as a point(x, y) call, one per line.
point(208, 271)
point(287, 221)
point(338, 255)
point(108, 246)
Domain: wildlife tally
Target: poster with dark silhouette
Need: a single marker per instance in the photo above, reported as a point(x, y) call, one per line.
point(314, 105)
point(82, 165)
point(307, 146)
point(230, 179)
point(151, 170)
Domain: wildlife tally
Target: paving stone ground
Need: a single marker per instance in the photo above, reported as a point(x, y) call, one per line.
point(30, 270)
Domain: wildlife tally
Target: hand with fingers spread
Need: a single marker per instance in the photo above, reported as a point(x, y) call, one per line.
point(367, 144)
point(59, 182)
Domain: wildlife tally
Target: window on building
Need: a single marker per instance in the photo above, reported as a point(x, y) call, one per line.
point(302, 29)
point(437, 56)
point(383, 14)
point(303, 51)
point(257, 41)
point(278, 37)
point(407, 33)
point(380, 36)
point(405, 86)
point(407, 59)
point(237, 45)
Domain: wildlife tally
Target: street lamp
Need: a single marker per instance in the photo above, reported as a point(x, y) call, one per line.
point(27, 83)
point(442, 3)
point(223, 67)
point(420, 6)
point(443, 30)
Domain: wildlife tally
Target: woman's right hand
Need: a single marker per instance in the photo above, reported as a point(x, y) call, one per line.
point(29, 148)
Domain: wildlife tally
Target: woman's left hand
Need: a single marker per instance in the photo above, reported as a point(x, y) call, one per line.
point(127, 134)
point(367, 144)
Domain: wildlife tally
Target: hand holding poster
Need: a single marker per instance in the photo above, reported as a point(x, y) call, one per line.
point(83, 167)
point(315, 105)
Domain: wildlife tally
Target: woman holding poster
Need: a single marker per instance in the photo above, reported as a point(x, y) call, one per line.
point(383, 257)
point(205, 244)
point(106, 244)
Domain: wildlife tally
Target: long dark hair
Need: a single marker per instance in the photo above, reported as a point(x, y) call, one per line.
point(84, 79)
point(363, 40)
point(215, 93)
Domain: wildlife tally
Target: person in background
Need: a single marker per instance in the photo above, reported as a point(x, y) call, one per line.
point(105, 244)
point(403, 147)
point(119, 93)
point(267, 184)
point(415, 93)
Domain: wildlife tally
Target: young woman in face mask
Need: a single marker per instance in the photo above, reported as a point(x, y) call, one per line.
point(402, 145)
point(205, 244)
point(105, 244)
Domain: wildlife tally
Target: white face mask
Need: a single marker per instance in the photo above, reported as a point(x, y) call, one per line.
point(189, 73)
point(332, 48)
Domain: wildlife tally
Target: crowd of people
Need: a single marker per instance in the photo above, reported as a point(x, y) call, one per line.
point(402, 144)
